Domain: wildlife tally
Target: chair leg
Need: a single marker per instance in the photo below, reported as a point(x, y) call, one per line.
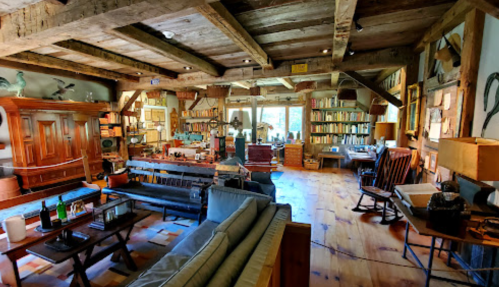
point(357, 208)
point(383, 216)
point(164, 213)
point(394, 219)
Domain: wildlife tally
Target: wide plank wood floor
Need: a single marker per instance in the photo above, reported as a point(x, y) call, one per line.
point(324, 198)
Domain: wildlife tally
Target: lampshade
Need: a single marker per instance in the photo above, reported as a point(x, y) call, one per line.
point(475, 158)
point(385, 129)
point(242, 116)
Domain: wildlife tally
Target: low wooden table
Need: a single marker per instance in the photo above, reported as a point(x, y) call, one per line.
point(332, 155)
point(419, 225)
point(96, 236)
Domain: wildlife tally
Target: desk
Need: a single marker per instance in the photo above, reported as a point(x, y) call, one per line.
point(332, 155)
point(419, 226)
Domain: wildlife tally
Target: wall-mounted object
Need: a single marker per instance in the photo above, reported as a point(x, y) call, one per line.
point(186, 95)
point(450, 55)
point(173, 121)
point(433, 164)
point(62, 89)
point(306, 87)
point(17, 87)
point(218, 91)
point(154, 94)
point(413, 106)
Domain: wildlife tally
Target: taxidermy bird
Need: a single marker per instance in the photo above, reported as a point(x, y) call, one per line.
point(62, 89)
point(17, 87)
point(495, 109)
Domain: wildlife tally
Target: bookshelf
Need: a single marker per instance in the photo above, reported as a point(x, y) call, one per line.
point(193, 122)
point(338, 122)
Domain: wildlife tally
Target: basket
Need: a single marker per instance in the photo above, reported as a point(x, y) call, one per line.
point(313, 165)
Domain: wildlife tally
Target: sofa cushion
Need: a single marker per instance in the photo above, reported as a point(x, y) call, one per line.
point(32, 209)
point(117, 180)
point(163, 269)
point(267, 243)
point(238, 223)
point(223, 201)
point(192, 243)
point(231, 267)
point(198, 270)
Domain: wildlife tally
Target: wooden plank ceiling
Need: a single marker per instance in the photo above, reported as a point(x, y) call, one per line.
point(284, 29)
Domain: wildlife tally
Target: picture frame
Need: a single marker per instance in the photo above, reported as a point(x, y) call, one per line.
point(433, 164)
point(150, 126)
point(413, 104)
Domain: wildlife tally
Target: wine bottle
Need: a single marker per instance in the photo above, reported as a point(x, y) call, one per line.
point(61, 210)
point(45, 216)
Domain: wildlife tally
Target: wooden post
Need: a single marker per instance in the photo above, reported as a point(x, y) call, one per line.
point(86, 166)
point(470, 60)
point(308, 113)
point(295, 255)
point(181, 122)
point(221, 105)
point(409, 76)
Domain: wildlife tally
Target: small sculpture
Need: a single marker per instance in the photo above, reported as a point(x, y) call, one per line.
point(17, 87)
point(495, 109)
point(61, 85)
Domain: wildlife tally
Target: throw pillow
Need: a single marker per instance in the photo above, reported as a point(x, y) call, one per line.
point(117, 180)
point(238, 223)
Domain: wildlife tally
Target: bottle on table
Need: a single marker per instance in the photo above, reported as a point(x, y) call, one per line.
point(45, 216)
point(61, 210)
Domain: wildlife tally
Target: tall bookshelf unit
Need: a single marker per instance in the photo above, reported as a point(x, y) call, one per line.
point(337, 122)
point(197, 122)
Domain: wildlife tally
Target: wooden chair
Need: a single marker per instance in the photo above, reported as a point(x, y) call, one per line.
point(392, 170)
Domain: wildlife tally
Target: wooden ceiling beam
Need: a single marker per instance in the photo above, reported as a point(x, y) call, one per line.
point(393, 57)
point(384, 74)
point(335, 77)
point(287, 82)
point(343, 20)
point(97, 53)
point(243, 84)
point(490, 7)
point(42, 24)
point(219, 16)
point(56, 63)
point(453, 17)
point(147, 41)
point(279, 90)
point(130, 102)
point(375, 88)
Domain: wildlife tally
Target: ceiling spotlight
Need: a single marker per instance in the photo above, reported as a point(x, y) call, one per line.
point(358, 27)
point(349, 49)
point(325, 51)
point(139, 73)
point(246, 60)
point(188, 68)
point(168, 34)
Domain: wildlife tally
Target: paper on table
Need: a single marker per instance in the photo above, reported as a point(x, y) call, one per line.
point(427, 162)
point(437, 100)
point(435, 131)
point(447, 101)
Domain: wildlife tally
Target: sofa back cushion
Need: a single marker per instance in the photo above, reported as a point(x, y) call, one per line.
point(223, 201)
point(233, 264)
point(198, 270)
point(238, 223)
point(117, 180)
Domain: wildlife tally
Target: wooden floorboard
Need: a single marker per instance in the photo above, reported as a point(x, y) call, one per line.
point(324, 198)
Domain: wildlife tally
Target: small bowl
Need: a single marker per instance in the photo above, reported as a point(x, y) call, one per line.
point(56, 223)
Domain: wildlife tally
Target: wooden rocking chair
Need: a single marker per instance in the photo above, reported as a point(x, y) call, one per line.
point(392, 170)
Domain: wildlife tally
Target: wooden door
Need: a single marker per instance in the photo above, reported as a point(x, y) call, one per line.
point(47, 139)
point(97, 152)
point(81, 135)
point(67, 128)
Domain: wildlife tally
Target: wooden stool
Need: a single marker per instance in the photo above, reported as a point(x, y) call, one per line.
point(331, 155)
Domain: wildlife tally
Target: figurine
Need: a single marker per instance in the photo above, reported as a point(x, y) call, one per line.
point(78, 207)
point(61, 85)
point(17, 87)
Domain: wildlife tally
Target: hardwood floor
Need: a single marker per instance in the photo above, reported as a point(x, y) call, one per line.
point(324, 199)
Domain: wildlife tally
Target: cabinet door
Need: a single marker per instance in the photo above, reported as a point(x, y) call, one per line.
point(97, 152)
point(67, 137)
point(47, 139)
point(81, 136)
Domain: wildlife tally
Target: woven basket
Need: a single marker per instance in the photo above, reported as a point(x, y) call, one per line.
point(311, 165)
point(186, 95)
point(154, 94)
point(377, 110)
point(218, 91)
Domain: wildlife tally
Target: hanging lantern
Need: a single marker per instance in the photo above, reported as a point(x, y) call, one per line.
point(255, 91)
point(218, 91)
point(186, 95)
point(306, 87)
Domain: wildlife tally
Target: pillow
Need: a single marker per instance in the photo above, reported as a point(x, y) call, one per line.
point(198, 270)
point(223, 201)
point(237, 225)
point(117, 180)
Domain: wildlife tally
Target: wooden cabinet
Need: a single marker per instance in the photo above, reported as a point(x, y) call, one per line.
point(293, 155)
point(44, 132)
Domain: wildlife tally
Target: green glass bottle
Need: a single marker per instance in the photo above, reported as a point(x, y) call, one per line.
point(61, 210)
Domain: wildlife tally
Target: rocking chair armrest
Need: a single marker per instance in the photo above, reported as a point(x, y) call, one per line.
point(367, 175)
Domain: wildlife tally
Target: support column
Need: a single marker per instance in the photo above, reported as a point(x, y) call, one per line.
point(308, 113)
point(181, 122)
point(254, 103)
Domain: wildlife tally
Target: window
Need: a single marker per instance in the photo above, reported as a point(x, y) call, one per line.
point(275, 117)
point(296, 121)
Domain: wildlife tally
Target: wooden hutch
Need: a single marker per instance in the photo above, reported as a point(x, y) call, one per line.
point(45, 132)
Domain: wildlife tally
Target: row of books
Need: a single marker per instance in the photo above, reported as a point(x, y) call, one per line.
point(338, 139)
point(198, 113)
point(110, 118)
point(391, 81)
point(196, 127)
point(341, 128)
point(105, 131)
point(333, 102)
point(330, 116)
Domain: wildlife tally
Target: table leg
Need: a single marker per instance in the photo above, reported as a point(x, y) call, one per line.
point(430, 262)
point(322, 162)
point(130, 264)
point(79, 277)
point(406, 240)
point(490, 272)
point(449, 254)
point(16, 273)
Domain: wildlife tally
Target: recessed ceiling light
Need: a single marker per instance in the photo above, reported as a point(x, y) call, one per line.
point(188, 68)
point(139, 73)
point(325, 51)
point(168, 34)
point(246, 60)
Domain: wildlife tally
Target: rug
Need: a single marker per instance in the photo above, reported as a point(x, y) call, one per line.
point(275, 175)
point(149, 240)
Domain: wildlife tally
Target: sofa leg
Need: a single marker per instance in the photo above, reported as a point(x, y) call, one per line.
point(164, 213)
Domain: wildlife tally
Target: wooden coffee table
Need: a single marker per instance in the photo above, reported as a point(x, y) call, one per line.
point(96, 236)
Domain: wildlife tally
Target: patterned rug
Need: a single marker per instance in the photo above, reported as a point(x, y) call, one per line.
point(149, 240)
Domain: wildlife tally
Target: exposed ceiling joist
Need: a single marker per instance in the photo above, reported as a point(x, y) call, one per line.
point(243, 84)
point(97, 53)
point(453, 17)
point(56, 63)
point(147, 41)
point(393, 57)
point(375, 88)
point(194, 104)
point(335, 77)
point(276, 90)
point(58, 2)
point(343, 20)
point(490, 7)
point(37, 26)
point(287, 82)
point(217, 14)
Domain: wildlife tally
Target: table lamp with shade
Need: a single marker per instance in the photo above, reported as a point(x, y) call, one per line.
point(240, 120)
point(384, 131)
point(473, 160)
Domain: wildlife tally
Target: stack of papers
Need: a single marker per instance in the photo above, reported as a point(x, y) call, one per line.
point(416, 195)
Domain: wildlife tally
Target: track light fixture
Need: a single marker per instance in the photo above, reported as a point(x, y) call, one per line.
point(358, 27)
point(349, 49)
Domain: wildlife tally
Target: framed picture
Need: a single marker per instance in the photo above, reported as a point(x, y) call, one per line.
point(433, 161)
point(413, 104)
point(150, 126)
